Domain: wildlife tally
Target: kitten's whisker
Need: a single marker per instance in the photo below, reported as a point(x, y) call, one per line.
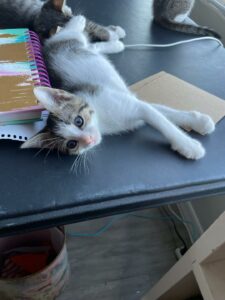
point(58, 152)
point(51, 139)
point(77, 165)
point(83, 160)
point(39, 151)
point(86, 169)
point(51, 147)
point(71, 169)
point(74, 164)
point(80, 163)
point(88, 161)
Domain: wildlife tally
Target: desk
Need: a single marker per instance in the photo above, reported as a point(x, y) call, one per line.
point(126, 172)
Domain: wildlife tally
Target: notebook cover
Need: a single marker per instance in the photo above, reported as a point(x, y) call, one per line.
point(21, 68)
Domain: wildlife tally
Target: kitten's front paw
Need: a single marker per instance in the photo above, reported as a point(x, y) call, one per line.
point(67, 11)
point(117, 47)
point(79, 22)
point(189, 148)
point(116, 32)
point(203, 123)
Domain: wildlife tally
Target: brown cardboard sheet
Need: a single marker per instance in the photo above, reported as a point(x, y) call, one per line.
point(166, 89)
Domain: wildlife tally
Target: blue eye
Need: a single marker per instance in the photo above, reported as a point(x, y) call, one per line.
point(71, 144)
point(79, 121)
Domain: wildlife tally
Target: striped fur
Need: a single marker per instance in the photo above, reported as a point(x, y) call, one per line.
point(19, 13)
point(42, 17)
point(171, 14)
point(45, 17)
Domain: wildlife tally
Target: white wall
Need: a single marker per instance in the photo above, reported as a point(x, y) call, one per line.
point(199, 214)
point(206, 14)
point(209, 209)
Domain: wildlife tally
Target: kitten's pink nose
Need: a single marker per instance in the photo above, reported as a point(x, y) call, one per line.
point(87, 140)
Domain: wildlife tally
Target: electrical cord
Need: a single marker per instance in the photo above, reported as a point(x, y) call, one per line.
point(97, 233)
point(176, 229)
point(173, 44)
point(109, 224)
point(188, 225)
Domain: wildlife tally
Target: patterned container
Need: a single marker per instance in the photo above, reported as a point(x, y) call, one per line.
point(46, 284)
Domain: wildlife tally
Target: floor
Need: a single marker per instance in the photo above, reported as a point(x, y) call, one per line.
point(124, 261)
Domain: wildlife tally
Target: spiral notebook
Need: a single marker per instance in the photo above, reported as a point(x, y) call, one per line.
point(21, 68)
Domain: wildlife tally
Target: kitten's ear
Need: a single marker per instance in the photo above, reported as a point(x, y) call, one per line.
point(58, 4)
point(40, 140)
point(51, 98)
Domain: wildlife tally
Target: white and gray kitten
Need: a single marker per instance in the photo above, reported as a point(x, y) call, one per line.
point(44, 17)
point(172, 13)
point(99, 102)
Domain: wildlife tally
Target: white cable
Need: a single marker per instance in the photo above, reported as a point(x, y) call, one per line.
point(173, 44)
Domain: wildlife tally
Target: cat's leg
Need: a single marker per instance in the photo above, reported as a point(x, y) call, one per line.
point(98, 32)
point(190, 120)
point(116, 32)
point(179, 140)
point(76, 23)
point(107, 47)
point(67, 11)
point(73, 30)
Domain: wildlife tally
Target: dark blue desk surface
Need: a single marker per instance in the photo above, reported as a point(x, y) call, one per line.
point(126, 172)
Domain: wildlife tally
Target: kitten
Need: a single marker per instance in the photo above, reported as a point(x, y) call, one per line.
point(42, 17)
point(99, 102)
point(45, 17)
point(172, 13)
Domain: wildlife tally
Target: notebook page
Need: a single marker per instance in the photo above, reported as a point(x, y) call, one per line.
point(24, 131)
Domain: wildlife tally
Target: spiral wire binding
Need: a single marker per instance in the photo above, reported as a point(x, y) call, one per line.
point(38, 68)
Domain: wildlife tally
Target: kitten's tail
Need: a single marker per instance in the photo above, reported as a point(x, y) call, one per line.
point(187, 28)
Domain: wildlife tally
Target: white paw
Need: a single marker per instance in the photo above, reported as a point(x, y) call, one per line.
point(67, 11)
point(120, 32)
point(203, 123)
point(116, 47)
point(79, 23)
point(116, 32)
point(190, 148)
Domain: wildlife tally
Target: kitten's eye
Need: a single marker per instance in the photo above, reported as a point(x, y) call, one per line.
point(79, 121)
point(71, 144)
